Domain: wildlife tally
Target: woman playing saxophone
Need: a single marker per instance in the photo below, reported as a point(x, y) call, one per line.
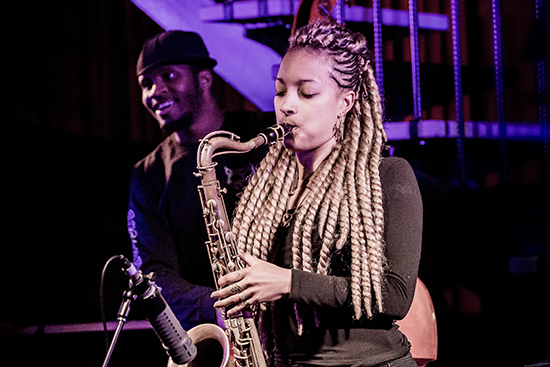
point(330, 230)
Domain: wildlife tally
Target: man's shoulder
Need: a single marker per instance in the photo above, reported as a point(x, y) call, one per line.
point(167, 151)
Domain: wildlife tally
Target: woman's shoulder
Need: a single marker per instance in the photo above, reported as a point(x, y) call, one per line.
point(400, 187)
point(396, 168)
point(394, 163)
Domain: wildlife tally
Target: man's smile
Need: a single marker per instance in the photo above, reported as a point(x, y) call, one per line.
point(162, 108)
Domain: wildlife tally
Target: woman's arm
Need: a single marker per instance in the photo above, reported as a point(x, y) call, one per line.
point(403, 235)
point(263, 281)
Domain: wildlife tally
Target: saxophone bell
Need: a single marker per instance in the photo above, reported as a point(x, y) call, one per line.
point(213, 348)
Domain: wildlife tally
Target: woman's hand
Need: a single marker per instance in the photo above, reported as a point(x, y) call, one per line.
point(260, 282)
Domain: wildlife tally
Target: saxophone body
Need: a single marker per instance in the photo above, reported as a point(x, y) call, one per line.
point(241, 330)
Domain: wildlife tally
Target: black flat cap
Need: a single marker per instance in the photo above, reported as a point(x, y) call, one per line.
point(173, 48)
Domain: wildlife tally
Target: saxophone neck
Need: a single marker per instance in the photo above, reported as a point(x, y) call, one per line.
point(217, 143)
point(224, 142)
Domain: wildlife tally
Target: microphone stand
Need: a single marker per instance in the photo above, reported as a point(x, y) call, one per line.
point(167, 327)
point(122, 317)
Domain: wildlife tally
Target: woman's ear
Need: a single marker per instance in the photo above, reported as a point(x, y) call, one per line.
point(347, 101)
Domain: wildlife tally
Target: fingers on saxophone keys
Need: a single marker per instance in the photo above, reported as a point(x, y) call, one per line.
point(228, 300)
point(230, 278)
point(235, 288)
point(245, 303)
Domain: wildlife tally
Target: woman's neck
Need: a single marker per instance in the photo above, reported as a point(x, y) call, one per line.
point(308, 161)
point(299, 189)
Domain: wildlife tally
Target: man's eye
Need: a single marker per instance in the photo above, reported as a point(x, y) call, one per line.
point(146, 83)
point(168, 76)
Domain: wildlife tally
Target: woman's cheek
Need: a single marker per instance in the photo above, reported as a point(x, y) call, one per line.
point(288, 142)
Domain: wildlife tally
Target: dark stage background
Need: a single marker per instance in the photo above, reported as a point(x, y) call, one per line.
point(75, 126)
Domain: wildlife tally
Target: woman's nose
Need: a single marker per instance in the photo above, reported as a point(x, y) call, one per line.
point(286, 112)
point(288, 107)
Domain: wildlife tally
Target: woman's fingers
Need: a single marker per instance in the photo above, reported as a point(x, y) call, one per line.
point(235, 303)
point(259, 282)
point(230, 278)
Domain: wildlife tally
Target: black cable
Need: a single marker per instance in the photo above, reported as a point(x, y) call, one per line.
point(102, 300)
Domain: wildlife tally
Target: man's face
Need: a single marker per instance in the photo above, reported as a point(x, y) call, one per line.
point(172, 95)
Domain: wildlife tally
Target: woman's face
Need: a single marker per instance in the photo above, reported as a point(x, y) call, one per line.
point(309, 99)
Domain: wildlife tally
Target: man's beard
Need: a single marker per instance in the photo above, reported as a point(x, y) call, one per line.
point(182, 123)
point(187, 120)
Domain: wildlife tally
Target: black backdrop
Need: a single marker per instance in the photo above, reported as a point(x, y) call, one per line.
point(74, 129)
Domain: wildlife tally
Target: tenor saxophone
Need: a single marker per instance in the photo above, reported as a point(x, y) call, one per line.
point(240, 329)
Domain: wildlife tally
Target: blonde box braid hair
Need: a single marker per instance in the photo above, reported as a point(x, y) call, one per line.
point(346, 193)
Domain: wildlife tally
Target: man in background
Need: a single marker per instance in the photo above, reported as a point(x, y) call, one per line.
point(165, 222)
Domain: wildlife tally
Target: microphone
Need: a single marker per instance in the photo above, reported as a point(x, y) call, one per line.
point(175, 340)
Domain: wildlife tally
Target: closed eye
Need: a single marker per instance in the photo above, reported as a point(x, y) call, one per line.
point(309, 95)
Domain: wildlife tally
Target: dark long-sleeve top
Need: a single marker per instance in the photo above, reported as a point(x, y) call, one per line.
point(331, 334)
point(165, 221)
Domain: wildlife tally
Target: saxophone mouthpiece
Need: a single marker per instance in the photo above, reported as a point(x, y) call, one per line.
point(287, 128)
point(275, 133)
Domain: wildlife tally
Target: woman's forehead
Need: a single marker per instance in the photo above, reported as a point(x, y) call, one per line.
point(306, 63)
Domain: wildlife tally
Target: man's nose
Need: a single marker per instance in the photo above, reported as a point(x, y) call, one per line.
point(158, 88)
